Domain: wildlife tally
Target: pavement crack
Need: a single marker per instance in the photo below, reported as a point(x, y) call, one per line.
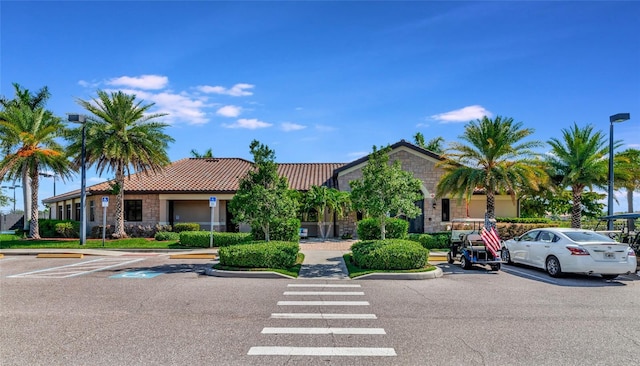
point(484, 362)
point(420, 294)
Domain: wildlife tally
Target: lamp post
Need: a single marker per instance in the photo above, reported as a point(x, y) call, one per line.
point(14, 186)
point(79, 118)
point(616, 118)
point(50, 175)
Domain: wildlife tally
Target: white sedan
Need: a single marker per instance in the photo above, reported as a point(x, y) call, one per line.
point(559, 250)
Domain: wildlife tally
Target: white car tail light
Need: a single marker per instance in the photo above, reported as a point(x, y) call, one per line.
point(577, 250)
point(631, 253)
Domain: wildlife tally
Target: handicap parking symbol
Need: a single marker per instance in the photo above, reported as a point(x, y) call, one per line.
point(137, 274)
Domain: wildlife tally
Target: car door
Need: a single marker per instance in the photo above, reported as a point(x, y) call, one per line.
point(522, 248)
point(539, 249)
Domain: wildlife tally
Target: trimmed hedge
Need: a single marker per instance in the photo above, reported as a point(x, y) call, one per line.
point(202, 238)
point(523, 220)
point(272, 254)
point(437, 240)
point(279, 230)
point(369, 229)
point(132, 231)
point(68, 229)
point(167, 235)
point(390, 254)
point(186, 226)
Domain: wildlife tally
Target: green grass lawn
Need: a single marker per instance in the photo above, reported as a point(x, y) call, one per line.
point(16, 242)
point(291, 271)
point(355, 271)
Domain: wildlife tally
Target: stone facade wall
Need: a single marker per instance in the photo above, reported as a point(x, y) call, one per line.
point(150, 209)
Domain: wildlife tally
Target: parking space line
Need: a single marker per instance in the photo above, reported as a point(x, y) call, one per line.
point(323, 331)
point(318, 285)
point(316, 293)
point(509, 270)
point(111, 266)
point(321, 316)
point(76, 269)
point(321, 351)
point(322, 303)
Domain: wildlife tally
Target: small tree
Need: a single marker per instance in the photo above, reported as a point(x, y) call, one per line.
point(263, 196)
point(326, 202)
point(385, 189)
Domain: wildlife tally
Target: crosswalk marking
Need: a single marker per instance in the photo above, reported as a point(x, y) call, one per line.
point(316, 293)
point(321, 316)
point(318, 285)
point(323, 331)
point(321, 351)
point(77, 269)
point(323, 303)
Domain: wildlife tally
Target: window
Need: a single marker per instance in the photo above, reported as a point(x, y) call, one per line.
point(77, 212)
point(133, 210)
point(92, 211)
point(68, 213)
point(446, 214)
point(59, 215)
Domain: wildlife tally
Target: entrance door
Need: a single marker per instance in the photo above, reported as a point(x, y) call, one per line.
point(416, 225)
point(231, 227)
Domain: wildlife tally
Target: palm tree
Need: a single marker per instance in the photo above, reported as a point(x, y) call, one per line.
point(579, 161)
point(23, 97)
point(207, 154)
point(326, 202)
point(435, 144)
point(494, 160)
point(628, 166)
point(121, 137)
point(30, 137)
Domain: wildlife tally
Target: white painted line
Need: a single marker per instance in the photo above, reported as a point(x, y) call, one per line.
point(103, 268)
point(52, 268)
point(319, 285)
point(323, 331)
point(322, 303)
point(321, 351)
point(77, 269)
point(529, 275)
point(328, 293)
point(321, 316)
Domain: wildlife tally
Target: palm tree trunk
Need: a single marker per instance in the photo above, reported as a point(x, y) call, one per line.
point(576, 210)
point(119, 229)
point(631, 223)
point(491, 203)
point(26, 196)
point(34, 228)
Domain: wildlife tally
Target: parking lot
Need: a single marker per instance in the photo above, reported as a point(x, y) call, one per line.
point(132, 310)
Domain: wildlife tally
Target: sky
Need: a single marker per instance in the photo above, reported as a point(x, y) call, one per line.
point(325, 81)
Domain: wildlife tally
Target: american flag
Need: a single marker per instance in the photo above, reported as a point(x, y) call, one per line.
point(491, 240)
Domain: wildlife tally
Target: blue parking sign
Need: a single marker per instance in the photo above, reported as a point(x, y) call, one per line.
point(213, 200)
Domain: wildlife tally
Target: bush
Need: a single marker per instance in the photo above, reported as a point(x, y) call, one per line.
point(166, 236)
point(273, 254)
point(390, 254)
point(132, 231)
point(186, 226)
point(68, 229)
point(47, 227)
point(202, 238)
point(369, 229)
point(437, 240)
point(279, 230)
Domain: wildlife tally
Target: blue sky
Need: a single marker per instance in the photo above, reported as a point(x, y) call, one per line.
point(324, 81)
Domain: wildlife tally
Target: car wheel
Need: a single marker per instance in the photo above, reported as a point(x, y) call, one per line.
point(495, 267)
point(609, 276)
point(464, 263)
point(553, 267)
point(450, 258)
point(506, 257)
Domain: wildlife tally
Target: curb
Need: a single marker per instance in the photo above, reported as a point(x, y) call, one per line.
point(244, 274)
point(402, 276)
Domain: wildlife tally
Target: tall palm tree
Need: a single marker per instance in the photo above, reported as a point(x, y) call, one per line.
point(121, 137)
point(23, 97)
point(435, 144)
point(579, 160)
point(494, 160)
point(31, 135)
point(628, 167)
point(206, 154)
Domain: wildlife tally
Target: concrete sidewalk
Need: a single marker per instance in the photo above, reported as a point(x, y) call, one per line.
point(325, 264)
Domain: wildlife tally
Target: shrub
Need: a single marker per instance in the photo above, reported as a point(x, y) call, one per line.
point(47, 227)
point(390, 254)
point(279, 230)
point(202, 238)
point(186, 226)
point(273, 254)
point(227, 239)
point(195, 238)
point(132, 231)
point(369, 229)
point(68, 229)
point(166, 236)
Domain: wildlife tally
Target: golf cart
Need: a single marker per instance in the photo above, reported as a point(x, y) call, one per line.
point(466, 245)
point(626, 234)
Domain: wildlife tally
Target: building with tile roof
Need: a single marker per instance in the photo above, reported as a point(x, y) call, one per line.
point(180, 193)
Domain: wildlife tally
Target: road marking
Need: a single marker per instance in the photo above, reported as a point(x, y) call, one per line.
point(76, 269)
point(323, 303)
point(319, 285)
point(137, 274)
point(321, 316)
point(323, 331)
point(509, 270)
point(316, 293)
point(321, 351)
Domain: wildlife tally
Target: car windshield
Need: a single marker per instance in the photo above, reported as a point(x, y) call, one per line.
point(588, 237)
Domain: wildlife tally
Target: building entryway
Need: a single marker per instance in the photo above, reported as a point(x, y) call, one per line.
point(416, 225)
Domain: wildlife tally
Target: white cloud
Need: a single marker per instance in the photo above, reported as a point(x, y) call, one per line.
point(238, 90)
point(179, 107)
point(422, 125)
point(88, 84)
point(325, 128)
point(229, 111)
point(250, 124)
point(465, 114)
point(150, 82)
point(288, 126)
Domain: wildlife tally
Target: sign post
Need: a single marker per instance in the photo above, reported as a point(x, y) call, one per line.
point(105, 204)
point(213, 200)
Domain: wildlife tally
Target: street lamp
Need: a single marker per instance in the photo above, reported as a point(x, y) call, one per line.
point(50, 175)
point(79, 118)
point(14, 186)
point(616, 118)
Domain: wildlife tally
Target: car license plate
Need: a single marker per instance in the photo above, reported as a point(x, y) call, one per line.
point(609, 255)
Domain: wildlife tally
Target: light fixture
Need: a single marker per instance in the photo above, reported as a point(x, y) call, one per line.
point(616, 118)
